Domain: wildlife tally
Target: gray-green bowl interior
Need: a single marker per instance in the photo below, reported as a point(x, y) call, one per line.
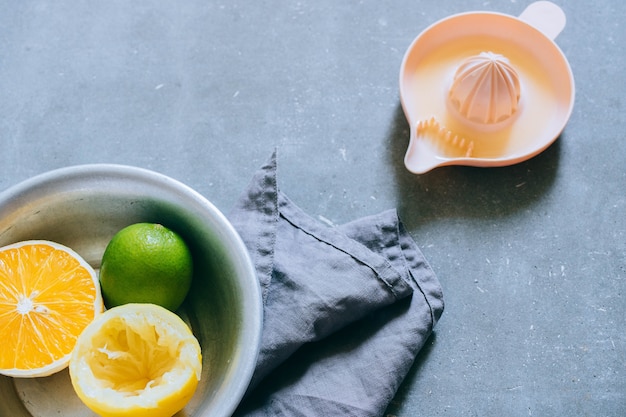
point(82, 207)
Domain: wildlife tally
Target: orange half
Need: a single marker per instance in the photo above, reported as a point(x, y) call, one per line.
point(48, 295)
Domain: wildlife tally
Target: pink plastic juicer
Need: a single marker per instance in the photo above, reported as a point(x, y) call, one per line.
point(486, 89)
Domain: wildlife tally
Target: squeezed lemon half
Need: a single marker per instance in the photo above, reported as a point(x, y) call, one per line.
point(136, 360)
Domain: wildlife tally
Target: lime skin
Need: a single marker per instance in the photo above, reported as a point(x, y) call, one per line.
point(146, 263)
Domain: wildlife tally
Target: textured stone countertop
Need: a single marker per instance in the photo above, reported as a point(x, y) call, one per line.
point(531, 257)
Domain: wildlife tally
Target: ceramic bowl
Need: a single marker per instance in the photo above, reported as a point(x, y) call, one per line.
point(82, 207)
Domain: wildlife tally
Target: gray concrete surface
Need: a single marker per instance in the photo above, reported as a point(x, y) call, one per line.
point(531, 257)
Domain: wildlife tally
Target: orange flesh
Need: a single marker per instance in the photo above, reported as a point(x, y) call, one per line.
point(46, 299)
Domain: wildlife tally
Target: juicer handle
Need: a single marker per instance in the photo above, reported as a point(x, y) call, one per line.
point(545, 16)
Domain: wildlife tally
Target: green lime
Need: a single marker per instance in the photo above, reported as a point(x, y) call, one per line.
point(146, 263)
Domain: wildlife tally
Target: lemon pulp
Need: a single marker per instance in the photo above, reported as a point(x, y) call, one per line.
point(136, 360)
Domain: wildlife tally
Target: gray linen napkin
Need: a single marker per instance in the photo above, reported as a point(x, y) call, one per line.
point(346, 308)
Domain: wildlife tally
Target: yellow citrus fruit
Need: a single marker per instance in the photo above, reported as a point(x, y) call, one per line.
point(146, 263)
point(48, 295)
point(136, 360)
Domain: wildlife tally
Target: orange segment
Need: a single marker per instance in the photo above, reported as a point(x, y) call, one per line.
point(48, 295)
